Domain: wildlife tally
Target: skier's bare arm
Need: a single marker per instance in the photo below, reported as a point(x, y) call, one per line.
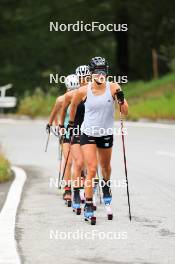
point(67, 101)
point(79, 95)
point(56, 109)
point(115, 87)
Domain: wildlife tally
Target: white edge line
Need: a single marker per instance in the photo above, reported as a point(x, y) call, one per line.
point(8, 246)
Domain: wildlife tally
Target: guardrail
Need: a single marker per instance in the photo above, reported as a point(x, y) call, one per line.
point(6, 101)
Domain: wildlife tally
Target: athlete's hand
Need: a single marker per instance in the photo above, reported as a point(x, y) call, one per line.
point(61, 130)
point(55, 130)
point(120, 97)
point(70, 128)
point(48, 127)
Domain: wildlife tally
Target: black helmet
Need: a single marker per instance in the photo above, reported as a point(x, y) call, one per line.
point(98, 65)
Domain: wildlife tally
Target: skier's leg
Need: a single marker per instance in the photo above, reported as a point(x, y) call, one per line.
point(78, 164)
point(77, 156)
point(90, 158)
point(67, 175)
point(104, 159)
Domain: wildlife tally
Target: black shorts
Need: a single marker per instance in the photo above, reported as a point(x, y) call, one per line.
point(76, 139)
point(101, 142)
point(66, 140)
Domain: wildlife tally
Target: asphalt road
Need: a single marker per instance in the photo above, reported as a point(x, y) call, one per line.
point(48, 232)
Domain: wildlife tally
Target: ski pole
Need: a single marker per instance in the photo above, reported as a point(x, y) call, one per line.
point(61, 155)
point(124, 158)
point(99, 189)
point(47, 142)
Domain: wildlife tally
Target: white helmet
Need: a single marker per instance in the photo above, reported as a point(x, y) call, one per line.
point(72, 82)
point(82, 71)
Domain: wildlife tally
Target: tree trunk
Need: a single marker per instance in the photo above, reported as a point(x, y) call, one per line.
point(122, 42)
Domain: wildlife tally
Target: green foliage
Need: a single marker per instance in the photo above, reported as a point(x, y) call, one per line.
point(37, 105)
point(154, 108)
point(141, 89)
point(153, 100)
point(5, 173)
point(29, 52)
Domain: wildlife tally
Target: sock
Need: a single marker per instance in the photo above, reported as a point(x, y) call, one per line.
point(106, 188)
point(89, 201)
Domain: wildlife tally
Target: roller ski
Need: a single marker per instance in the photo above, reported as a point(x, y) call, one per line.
point(67, 196)
point(107, 198)
point(89, 213)
point(76, 202)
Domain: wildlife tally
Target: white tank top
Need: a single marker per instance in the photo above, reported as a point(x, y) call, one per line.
point(99, 113)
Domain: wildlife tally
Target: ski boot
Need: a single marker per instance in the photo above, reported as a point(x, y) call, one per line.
point(67, 196)
point(107, 198)
point(89, 213)
point(76, 202)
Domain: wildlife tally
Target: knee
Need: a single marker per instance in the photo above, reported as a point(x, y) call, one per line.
point(79, 165)
point(92, 168)
point(69, 163)
point(106, 166)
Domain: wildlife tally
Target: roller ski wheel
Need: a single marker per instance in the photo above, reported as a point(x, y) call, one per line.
point(110, 217)
point(109, 212)
point(94, 207)
point(91, 220)
point(68, 203)
point(77, 211)
point(89, 214)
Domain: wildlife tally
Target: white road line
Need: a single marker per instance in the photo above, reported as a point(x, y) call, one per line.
point(165, 153)
point(8, 248)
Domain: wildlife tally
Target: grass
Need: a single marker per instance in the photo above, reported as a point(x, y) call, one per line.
point(5, 172)
point(36, 105)
point(153, 100)
point(153, 108)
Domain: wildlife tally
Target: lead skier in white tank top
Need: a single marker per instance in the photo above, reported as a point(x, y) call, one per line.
point(97, 129)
